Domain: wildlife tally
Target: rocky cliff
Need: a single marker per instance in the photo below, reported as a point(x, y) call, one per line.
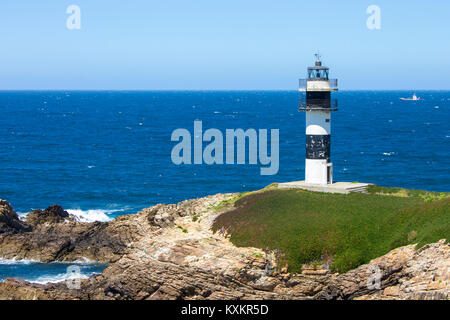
point(170, 252)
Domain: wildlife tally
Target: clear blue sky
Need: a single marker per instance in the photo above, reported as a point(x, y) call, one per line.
point(210, 44)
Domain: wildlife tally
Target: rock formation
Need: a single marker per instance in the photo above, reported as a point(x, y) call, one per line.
point(52, 214)
point(52, 235)
point(170, 252)
point(9, 220)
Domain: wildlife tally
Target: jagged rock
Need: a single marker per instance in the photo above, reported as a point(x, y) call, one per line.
point(9, 220)
point(52, 214)
point(404, 273)
point(46, 238)
point(170, 252)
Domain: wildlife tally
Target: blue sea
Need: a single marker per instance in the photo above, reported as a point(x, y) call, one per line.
point(42, 273)
point(107, 153)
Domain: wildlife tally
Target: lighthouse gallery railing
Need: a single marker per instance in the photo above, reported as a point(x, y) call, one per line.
point(318, 103)
point(333, 82)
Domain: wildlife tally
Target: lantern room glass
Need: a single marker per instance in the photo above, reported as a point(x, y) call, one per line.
point(318, 74)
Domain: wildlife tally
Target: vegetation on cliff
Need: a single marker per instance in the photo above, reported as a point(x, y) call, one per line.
point(346, 230)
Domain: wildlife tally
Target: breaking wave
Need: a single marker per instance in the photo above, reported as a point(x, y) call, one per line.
point(92, 215)
point(42, 273)
point(60, 277)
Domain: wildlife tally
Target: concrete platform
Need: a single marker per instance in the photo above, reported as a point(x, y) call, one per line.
point(337, 187)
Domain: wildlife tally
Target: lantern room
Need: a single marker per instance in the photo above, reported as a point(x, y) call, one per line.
point(318, 72)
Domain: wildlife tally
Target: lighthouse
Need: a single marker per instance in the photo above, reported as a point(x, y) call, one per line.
point(318, 105)
point(315, 100)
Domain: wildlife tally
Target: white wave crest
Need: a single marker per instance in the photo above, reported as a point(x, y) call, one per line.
point(13, 261)
point(92, 215)
point(59, 277)
point(21, 215)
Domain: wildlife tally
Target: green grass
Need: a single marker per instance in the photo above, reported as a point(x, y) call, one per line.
point(427, 196)
point(229, 203)
point(352, 229)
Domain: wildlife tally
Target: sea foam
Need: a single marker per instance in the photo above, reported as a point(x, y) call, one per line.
point(92, 215)
point(16, 262)
point(60, 277)
point(42, 273)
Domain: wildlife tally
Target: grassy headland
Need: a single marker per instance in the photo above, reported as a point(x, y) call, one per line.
point(348, 230)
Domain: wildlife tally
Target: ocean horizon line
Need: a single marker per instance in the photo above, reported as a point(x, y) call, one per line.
point(214, 90)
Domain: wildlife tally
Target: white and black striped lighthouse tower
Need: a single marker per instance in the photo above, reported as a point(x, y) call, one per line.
point(318, 106)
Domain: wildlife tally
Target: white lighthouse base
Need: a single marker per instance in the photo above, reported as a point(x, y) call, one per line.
point(318, 172)
point(337, 187)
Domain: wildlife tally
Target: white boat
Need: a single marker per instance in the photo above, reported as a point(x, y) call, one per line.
point(414, 98)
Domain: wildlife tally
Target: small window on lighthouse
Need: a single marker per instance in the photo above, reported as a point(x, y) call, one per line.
point(327, 120)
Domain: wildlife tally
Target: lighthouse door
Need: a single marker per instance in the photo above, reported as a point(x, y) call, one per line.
point(329, 174)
